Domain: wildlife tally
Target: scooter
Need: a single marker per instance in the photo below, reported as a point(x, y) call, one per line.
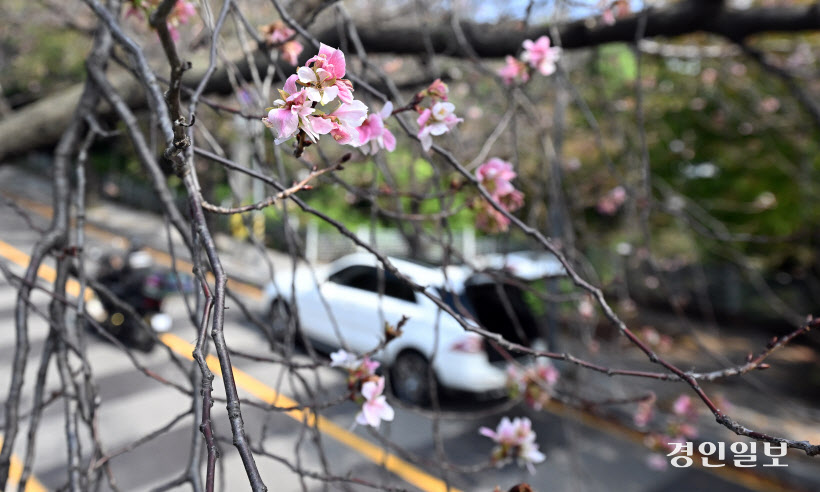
point(127, 301)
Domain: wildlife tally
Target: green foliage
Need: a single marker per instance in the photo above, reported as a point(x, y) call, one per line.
point(44, 59)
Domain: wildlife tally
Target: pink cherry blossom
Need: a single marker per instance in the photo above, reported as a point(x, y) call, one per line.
point(287, 116)
point(329, 67)
point(610, 203)
point(513, 71)
point(535, 383)
point(505, 433)
point(490, 220)
point(180, 14)
point(278, 32)
point(317, 82)
point(330, 60)
point(373, 131)
point(183, 11)
point(644, 412)
point(369, 366)
point(437, 90)
point(547, 372)
point(279, 35)
point(436, 121)
point(495, 176)
point(359, 370)
point(375, 408)
point(610, 10)
point(350, 114)
point(683, 406)
point(540, 55)
point(516, 441)
point(290, 52)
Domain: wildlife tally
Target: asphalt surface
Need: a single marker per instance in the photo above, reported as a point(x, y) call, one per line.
point(584, 452)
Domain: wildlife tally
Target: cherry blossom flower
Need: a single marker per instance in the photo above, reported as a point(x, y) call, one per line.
point(540, 55)
point(491, 220)
point(437, 90)
point(683, 407)
point(319, 82)
point(645, 411)
point(363, 368)
point(277, 32)
point(344, 359)
point(329, 71)
point(535, 383)
point(375, 408)
point(515, 441)
point(290, 113)
point(279, 35)
point(343, 123)
point(290, 52)
point(513, 71)
point(610, 203)
point(610, 10)
point(373, 131)
point(182, 12)
point(436, 121)
point(495, 176)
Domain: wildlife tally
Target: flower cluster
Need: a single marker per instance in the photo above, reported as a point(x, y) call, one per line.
point(537, 56)
point(680, 427)
point(277, 34)
point(438, 118)
point(515, 441)
point(367, 387)
point(180, 14)
point(495, 176)
point(320, 82)
point(534, 383)
point(374, 132)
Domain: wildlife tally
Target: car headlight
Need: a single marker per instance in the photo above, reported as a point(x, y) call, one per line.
point(161, 322)
point(95, 310)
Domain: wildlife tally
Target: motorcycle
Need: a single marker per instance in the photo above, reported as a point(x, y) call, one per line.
point(128, 293)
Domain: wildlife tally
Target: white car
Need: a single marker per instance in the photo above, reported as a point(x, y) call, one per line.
point(346, 304)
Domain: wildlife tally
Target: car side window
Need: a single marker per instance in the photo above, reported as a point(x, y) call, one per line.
point(367, 278)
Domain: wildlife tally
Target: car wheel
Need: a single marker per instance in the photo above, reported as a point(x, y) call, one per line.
point(410, 378)
point(281, 321)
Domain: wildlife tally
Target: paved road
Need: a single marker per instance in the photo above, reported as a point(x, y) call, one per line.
point(579, 456)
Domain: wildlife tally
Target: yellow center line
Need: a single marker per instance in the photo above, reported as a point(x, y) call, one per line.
point(16, 471)
point(45, 272)
point(374, 453)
